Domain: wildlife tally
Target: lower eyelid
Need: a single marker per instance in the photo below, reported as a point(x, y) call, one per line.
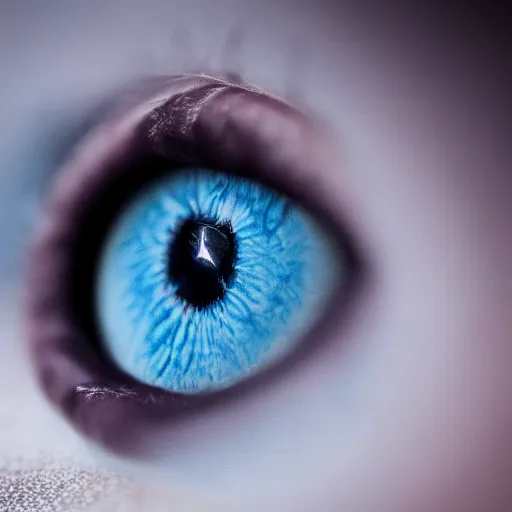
point(232, 129)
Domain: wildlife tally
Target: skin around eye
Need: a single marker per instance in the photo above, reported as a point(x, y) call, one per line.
point(91, 351)
point(208, 278)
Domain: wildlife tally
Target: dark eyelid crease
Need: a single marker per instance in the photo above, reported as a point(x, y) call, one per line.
point(183, 120)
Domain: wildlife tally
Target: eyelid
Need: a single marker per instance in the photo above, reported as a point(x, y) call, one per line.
point(254, 134)
point(186, 120)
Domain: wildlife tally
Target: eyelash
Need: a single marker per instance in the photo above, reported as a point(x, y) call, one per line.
point(187, 120)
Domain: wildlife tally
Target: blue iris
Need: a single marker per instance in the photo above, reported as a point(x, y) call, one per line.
point(207, 278)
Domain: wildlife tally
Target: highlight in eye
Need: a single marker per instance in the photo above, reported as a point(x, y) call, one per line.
point(206, 278)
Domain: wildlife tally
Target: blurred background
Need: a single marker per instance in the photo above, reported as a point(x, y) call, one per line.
point(409, 411)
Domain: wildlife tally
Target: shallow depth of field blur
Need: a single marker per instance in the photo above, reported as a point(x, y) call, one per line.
point(408, 410)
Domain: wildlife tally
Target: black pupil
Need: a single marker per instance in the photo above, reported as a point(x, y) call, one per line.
point(201, 261)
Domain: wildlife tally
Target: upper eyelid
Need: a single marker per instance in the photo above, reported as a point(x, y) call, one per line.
point(77, 126)
point(72, 125)
point(174, 91)
point(244, 86)
point(171, 89)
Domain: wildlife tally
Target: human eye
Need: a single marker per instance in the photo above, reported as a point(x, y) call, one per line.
point(206, 278)
point(193, 249)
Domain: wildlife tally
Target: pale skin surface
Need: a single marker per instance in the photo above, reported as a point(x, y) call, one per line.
point(409, 409)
